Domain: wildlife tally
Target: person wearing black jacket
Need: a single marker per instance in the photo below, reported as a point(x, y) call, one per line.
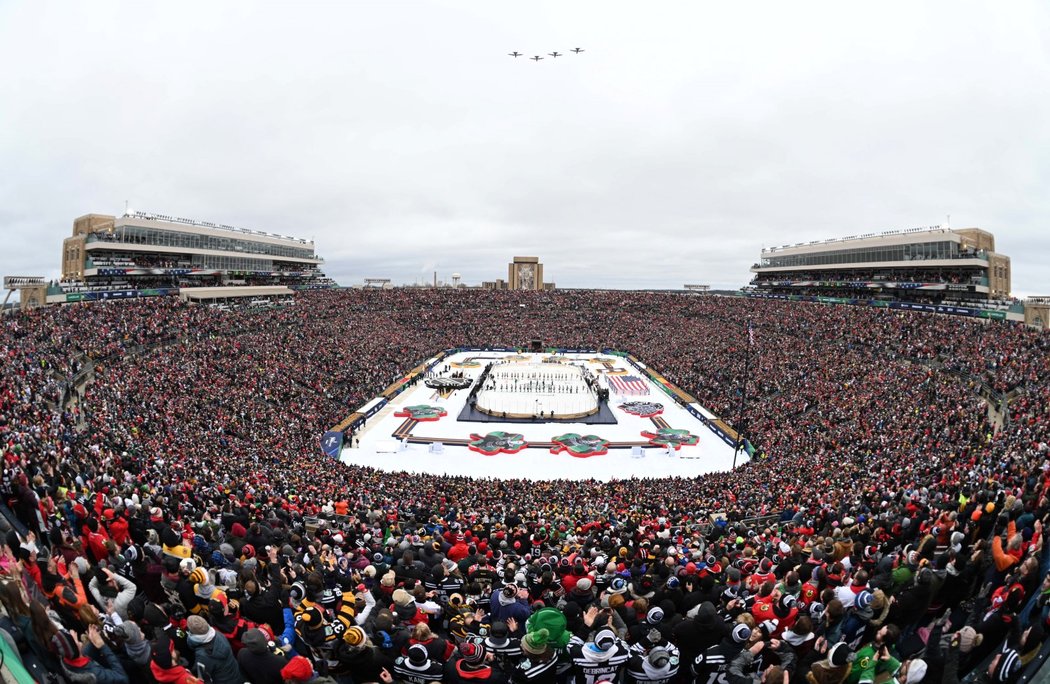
point(360, 658)
point(712, 664)
point(417, 668)
point(911, 603)
point(407, 567)
point(262, 599)
point(260, 659)
point(696, 635)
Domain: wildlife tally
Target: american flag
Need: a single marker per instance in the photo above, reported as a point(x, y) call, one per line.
point(628, 384)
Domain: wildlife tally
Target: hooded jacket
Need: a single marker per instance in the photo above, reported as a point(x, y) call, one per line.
point(591, 664)
point(696, 635)
point(260, 663)
point(639, 670)
point(137, 647)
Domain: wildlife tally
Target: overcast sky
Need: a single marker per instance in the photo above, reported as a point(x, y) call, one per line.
point(403, 139)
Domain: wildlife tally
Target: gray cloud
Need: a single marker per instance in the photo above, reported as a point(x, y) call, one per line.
point(403, 139)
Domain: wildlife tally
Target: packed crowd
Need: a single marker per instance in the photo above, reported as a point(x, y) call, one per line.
point(165, 515)
point(943, 275)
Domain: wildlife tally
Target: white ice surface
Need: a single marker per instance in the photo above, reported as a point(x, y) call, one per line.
point(711, 454)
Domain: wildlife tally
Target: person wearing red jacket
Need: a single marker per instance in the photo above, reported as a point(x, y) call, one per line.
point(459, 549)
point(764, 603)
point(117, 525)
point(94, 537)
point(763, 575)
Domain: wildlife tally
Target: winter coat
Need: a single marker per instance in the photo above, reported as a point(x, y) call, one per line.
point(217, 658)
point(823, 672)
point(102, 664)
point(259, 663)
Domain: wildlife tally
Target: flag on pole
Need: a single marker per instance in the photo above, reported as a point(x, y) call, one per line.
point(750, 334)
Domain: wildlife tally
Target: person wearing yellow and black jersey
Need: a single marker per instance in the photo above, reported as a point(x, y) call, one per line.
point(341, 605)
point(322, 636)
point(204, 591)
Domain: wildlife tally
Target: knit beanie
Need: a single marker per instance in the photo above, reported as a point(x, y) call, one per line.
point(968, 639)
point(417, 655)
point(162, 654)
point(64, 645)
point(604, 639)
point(402, 598)
point(916, 671)
point(195, 624)
point(838, 655)
point(354, 637)
point(553, 620)
point(298, 669)
point(154, 616)
point(472, 652)
point(659, 657)
point(535, 642)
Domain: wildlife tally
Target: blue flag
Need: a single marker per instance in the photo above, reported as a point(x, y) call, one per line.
point(332, 443)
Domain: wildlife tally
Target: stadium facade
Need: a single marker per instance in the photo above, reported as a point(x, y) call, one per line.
point(934, 264)
point(158, 254)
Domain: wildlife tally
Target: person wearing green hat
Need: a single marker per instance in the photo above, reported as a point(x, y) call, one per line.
point(543, 647)
point(553, 620)
point(539, 663)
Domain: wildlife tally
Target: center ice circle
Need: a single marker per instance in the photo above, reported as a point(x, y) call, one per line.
point(529, 390)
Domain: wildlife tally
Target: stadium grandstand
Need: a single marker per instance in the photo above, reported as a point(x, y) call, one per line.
point(935, 265)
point(170, 517)
point(141, 254)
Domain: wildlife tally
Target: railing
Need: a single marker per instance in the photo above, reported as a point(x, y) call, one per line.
point(208, 224)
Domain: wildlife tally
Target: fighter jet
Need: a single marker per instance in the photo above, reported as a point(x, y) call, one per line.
point(536, 58)
point(555, 54)
point(577, 50)
point(514, 54)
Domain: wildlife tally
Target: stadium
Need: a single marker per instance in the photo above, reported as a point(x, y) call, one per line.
point(898, 478)
point(524, 343)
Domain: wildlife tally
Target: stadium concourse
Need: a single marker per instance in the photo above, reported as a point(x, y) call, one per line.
point(427, 430)
point(171, 513)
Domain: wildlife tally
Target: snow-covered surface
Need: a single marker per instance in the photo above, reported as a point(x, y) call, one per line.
point(710, 454)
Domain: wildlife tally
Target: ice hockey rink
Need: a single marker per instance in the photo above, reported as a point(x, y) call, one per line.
point(432, 438)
